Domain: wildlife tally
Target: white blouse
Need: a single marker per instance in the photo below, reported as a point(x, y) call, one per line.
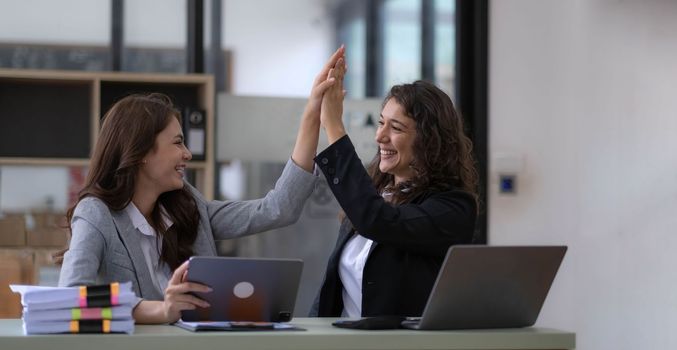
point(353, 258)
point(151, 246)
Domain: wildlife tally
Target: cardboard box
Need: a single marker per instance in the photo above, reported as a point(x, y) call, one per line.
point(49, 231)
point(16, 267)
point(12, 231)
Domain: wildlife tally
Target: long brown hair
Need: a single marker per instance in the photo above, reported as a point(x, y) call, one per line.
point(128, 133)
point(443, 158)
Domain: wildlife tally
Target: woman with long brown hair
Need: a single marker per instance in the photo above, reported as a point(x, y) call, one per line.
point(416, 199)
point(137, 220)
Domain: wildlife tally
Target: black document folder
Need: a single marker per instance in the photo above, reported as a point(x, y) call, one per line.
point(195, 131)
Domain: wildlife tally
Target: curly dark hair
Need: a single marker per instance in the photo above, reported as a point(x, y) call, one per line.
point(127, 134)
point(443, 158)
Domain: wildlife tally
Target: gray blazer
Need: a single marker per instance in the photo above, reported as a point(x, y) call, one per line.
point(109, 249)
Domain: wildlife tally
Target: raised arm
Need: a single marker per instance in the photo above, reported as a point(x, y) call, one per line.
point(283, 204)
point(331, 112)
point(309, 129)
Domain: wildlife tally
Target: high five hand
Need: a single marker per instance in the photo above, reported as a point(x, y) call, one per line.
point(331, 110)
point(322, 82)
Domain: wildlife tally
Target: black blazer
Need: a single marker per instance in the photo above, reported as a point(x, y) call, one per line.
point(411, 239)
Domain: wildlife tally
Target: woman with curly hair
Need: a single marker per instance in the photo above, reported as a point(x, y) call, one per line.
point(417, 198)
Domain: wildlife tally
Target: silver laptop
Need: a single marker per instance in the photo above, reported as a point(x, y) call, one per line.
point(245, 289)
point(490, 287)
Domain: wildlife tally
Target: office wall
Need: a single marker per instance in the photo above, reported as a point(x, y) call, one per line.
point(29, 188)
point(278, 46)
point(583, 92)
point(55, 22)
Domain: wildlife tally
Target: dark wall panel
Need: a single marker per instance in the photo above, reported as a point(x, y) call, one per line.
point(45, 120)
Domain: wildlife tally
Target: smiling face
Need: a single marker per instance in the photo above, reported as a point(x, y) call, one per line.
point(395, 137)
point(164, 166)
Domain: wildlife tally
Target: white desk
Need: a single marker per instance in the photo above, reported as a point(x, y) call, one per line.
point(319, 334)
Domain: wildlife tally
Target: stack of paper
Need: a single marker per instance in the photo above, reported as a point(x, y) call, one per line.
point(93, 309)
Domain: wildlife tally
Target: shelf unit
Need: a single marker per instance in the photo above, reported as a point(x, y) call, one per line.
point(52, 118)
point(43, 108)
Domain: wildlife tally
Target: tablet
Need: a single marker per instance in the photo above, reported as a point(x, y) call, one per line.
point(245, 289)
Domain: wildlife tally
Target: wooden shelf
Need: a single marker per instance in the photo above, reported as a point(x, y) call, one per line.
point(44, 161)
point(57, 113)
point(197, 165)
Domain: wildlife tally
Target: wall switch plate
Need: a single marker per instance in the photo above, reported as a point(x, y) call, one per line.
point(507, 184)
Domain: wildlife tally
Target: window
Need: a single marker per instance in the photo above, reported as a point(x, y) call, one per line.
point(45, 34)
point(353, 37)
point(400, 34)
point(445, 43)
point(401, 42)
